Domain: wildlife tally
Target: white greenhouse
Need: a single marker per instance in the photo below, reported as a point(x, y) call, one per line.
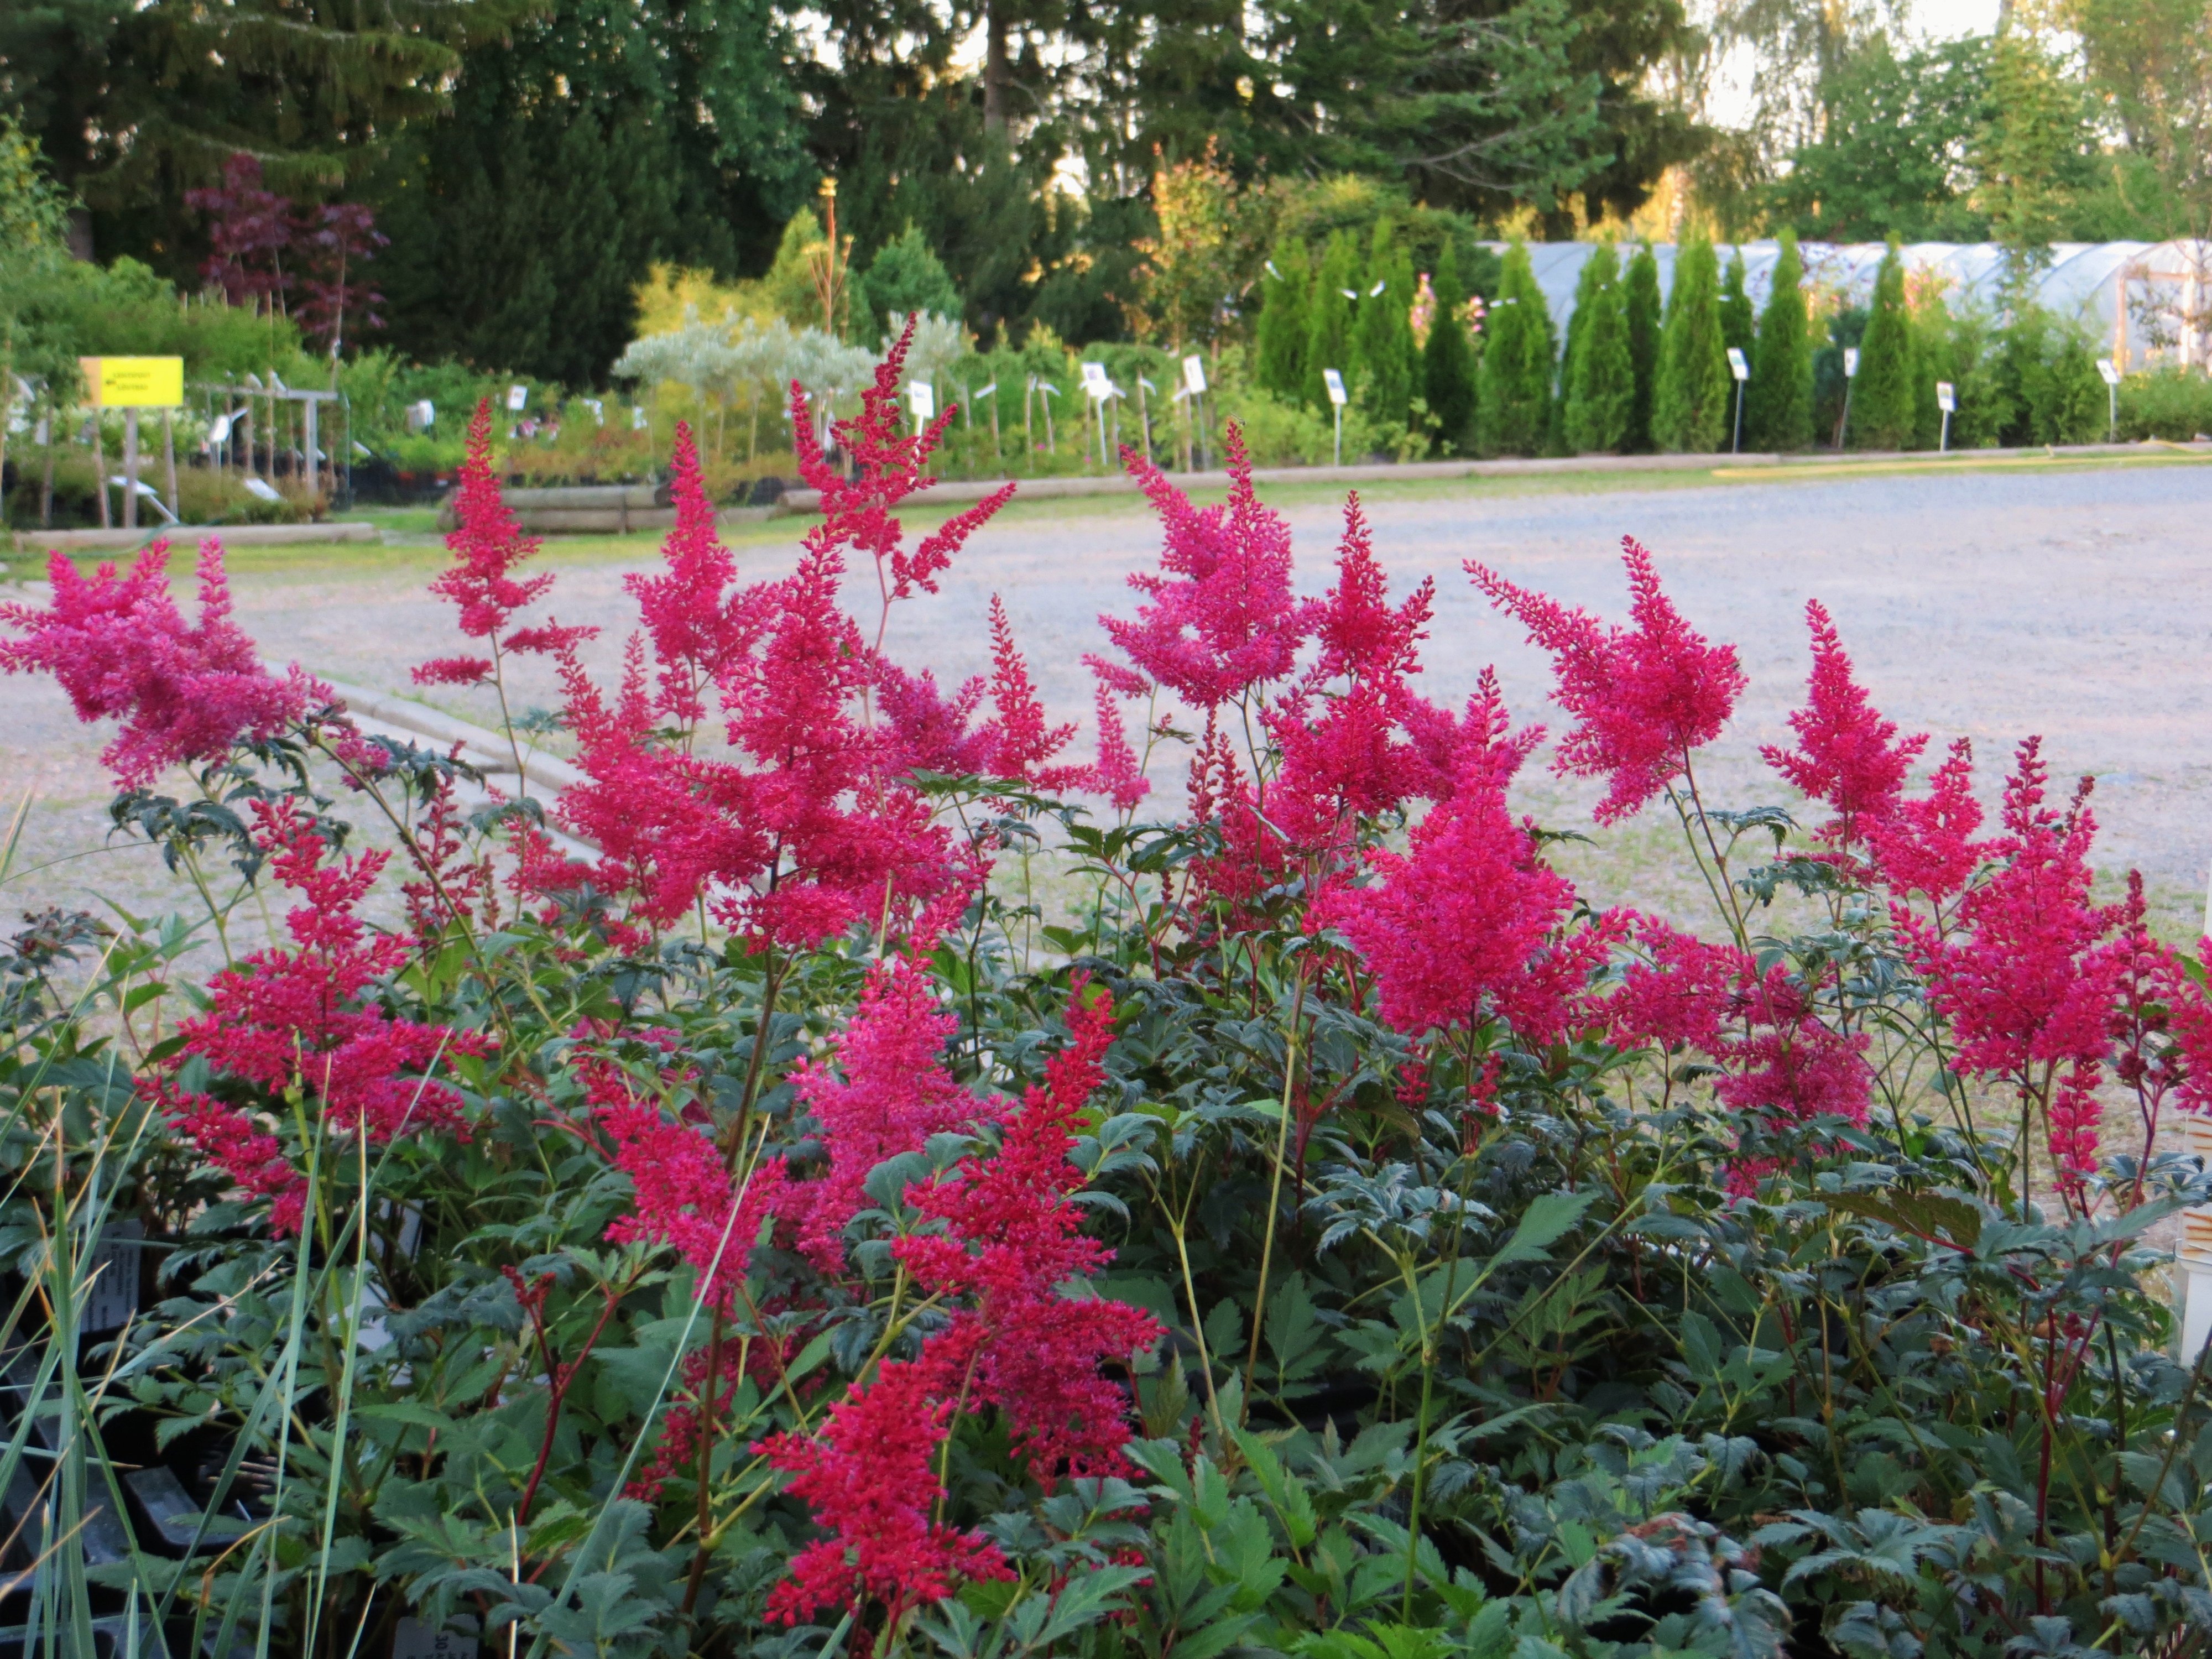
point(2145, 303)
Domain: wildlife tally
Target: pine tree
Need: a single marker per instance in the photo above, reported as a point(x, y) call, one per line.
point(1514, 400)
point(1639, 310)
point(1600, 391)
point(1328, 328)
point(1778, 412)
point(1284, 321)
point(1448, 361)
point(1881, 403)
point(1384, 340)
point(1690, 403)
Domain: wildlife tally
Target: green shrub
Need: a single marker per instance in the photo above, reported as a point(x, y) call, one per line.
point(1383, 340)
point(1882, 408)
point(1328, 329)
point(1285, 294)
point(2171, 403)
point(1600, 390)
point(1448, 361)
point(1779, 403)
point(1513, 406)
point(1639, 309)
point(1692, 401)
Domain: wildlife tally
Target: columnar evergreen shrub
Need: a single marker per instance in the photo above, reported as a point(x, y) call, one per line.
point(1882, 414)
point(1600, 390)
point(1639, 309)
point(1285, 322)
point(1692, 401)
point(1448, 361)
point(1328, 331)
point(1778, 410)
point(1382, 339)
point(1739, 323)
point(1513, 407)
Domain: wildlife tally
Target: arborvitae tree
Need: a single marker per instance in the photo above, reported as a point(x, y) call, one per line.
point(1586, 286)
point(1690, 405)
point(1934, 355)
point(1448, 361)
point(1283, 322)
point(1881, 403)
point(1514, 398)
point(1383, 339)
point(1639, 309)
point(1777, 409)
point(1739, 323)
point(1600, 376)
point(1328, 327)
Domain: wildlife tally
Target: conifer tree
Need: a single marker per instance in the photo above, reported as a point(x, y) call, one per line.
point(1514, 386)
point(1329, 326)
point(1383, 339)
point(1778, 413)
point(1283, 322)
point(1639, 310)
point(1601, 389)
point(1739, 323)
point(1448, 360)
point(1690, 404)
point(1881, 403)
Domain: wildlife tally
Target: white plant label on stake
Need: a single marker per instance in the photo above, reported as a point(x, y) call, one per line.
point(639, 420)
point(1850, 362)
point(598, 409)
point(1193, 374)
point(1334, 382)
point(1094, 379)
point(1737, 367)
point(2109, 370)
point(219, 429)
point(422, 415)
point(517, 397)
point(1946, 398)
point(921, 400)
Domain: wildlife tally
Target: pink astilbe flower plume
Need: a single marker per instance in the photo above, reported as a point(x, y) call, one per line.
point(304, 1016)
point(122, 650)
point(487, 542)
point(1643, 697)
point(1221, 618)
point(1116, 774)
point(1847, 754)
point(1928, 846)
point(699, 628)
point(1468, 924)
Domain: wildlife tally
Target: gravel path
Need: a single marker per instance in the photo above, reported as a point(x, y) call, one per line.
point(1990, 605)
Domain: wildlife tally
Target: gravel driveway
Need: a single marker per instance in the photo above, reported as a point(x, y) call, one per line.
point(1991, 605)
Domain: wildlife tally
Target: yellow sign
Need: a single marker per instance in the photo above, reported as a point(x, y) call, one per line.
point(134, 382)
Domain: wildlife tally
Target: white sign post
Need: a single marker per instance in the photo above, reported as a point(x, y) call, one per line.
point(921, 403)
point(2110, 372)
point(1850, 374)
point(991, 392)
point(1334, 382)
point(1739, 371)
point(1946, 399)
point(1193, 382)
point(1098, 387)
point(518, 398)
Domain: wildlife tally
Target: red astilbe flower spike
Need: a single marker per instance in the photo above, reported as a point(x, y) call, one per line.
point(1222, 619)
point(1643, 697)
point(298, 1016)
point(1467, 924)
point(1013, 1241)
point(487, 542)
point(2029, 974)
point(894, 1094)
point(870, 1476)
point(1928, 846)
point(1846, 754)
point(1115, 774)
point(122, 650)
point(1024, 745)
point(698, 627)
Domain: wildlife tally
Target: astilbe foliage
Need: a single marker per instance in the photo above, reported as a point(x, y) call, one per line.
point(184, 692)
point(303, 1018)
point(1643, 697)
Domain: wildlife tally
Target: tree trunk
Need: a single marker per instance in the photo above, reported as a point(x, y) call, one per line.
point(996, 75)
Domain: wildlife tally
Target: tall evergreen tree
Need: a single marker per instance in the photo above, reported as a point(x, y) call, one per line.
point(1600, 376)
point(1639, 310)
point(1881, 403)
point(1384, 341)
point(1448, 360)
point(1328, 329)
point(1690, 405)
point(1778, 412)
point(1514, 402)
point(1739, 323)
point(1284, 323)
